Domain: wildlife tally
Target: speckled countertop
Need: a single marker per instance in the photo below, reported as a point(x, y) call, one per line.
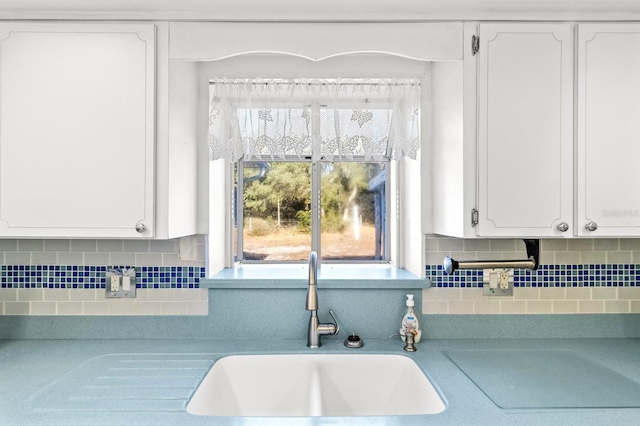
point(149, 382)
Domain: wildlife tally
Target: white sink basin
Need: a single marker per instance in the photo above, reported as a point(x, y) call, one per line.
point(315, 385)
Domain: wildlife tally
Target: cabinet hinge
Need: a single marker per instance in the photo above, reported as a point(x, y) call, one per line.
point(474, 217)
point(475, 44)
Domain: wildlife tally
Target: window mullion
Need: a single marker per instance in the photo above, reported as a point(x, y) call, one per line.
point(315, 181)
point(315, 208)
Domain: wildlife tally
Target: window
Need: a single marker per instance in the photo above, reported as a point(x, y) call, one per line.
point(312, 165)
point(284, 209)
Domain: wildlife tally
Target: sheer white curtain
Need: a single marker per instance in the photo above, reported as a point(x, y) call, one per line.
point(321, 119)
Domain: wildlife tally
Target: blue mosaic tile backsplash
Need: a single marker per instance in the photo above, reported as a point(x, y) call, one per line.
point(88, 277)
point(546, 276)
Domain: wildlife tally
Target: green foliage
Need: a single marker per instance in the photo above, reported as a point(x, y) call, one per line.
point(303, 218)
point(287, 188)
point(346, 185)
point(286, 183)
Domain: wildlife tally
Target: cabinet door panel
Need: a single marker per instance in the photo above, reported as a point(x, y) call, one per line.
point(77, 130)
point(608, 129)
point(525, 129)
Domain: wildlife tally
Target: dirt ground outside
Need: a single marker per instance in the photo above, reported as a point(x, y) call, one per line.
point(290, 244)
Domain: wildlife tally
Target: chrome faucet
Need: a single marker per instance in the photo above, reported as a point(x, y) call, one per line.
point(316, 329)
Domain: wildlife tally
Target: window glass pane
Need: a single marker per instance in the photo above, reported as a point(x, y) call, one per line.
point(277, 215)
point(353, 198)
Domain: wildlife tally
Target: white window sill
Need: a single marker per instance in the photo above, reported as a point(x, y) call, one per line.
point(329, 276)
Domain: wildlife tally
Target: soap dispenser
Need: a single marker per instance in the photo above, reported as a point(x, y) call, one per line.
point(410, 322)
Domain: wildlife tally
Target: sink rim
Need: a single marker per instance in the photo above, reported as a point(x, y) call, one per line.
point(388, 384)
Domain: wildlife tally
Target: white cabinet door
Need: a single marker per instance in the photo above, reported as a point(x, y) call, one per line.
point(77, 130)
point(608, 130)
point(525, 128)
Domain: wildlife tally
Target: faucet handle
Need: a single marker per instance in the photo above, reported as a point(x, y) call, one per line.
point(335, 321)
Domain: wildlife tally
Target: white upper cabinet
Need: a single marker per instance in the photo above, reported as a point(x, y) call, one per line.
point(525, 130)
point(608, 172)
point(77, 124)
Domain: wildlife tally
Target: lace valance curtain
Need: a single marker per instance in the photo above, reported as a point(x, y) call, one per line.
point(320, 119)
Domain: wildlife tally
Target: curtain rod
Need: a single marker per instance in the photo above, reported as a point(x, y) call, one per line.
point(320, 82)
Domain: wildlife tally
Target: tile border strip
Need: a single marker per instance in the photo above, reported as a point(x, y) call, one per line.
point(93, 277)
point(591, 275)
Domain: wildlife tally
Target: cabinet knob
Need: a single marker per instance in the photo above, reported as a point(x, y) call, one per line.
point(140, 228)
point(591, 226)
point(563, 227)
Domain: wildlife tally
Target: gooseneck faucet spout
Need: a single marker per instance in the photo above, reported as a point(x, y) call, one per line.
point(316, 329)
point(312, 288)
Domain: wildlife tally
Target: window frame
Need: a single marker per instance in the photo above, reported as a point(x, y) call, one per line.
point(316, 208)
point(404, 195)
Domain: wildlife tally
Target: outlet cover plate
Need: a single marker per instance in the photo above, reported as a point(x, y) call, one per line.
point(120, 294)
point(497, 290)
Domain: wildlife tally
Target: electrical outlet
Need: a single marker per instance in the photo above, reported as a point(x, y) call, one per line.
point(504, 280)
point(115, 283)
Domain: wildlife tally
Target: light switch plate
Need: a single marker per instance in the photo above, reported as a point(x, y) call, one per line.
point(497, 282)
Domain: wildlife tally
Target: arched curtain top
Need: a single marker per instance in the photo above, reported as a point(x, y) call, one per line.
point(321, 119)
